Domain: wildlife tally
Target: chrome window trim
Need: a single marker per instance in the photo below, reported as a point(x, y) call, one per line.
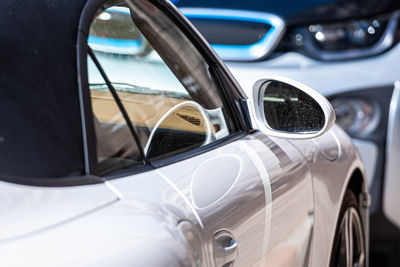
point(386, 41)
point(251, 52)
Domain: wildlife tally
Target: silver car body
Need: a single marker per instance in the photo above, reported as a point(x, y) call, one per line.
point(281, 209)
point(277, 199)
point(331, 78)
point(334, 78)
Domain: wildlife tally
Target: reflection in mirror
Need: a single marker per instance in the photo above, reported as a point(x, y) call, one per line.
point(288, 109)
point(183, 128)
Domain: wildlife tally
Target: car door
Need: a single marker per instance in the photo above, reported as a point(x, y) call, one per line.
point(170, 108)
point(253, 200)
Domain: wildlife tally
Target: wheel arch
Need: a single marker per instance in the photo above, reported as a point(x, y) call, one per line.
point(357, 184)
point(346, 172)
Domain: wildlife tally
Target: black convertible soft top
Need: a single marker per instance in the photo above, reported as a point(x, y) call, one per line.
point(40, 123)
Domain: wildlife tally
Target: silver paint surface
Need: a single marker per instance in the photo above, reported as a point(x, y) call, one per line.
point(28, 209)
point(391, 197)
point(332, 159)
point(278, 198)
point(281, 209)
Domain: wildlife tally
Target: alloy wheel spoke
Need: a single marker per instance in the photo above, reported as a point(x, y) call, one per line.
point(348, 230)
point(356, 223)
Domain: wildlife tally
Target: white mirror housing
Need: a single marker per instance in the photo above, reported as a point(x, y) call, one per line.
point(289, 109)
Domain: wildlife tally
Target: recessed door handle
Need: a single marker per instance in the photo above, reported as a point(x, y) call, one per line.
point(225, 248)
point(231, 248)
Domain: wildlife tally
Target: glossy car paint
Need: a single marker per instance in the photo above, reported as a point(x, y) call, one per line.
point(265, 206)
point(40, 208)
point(140, 228)
point(332, 163)
point(326, 182)
point(279, 200)
point(269, 209)
point(391, 196)
point(329, 79)
point(246, 74)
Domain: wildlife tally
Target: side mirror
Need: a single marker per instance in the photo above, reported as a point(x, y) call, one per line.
point(287, 108)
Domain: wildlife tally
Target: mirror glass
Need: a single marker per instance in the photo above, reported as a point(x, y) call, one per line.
point(289, 109)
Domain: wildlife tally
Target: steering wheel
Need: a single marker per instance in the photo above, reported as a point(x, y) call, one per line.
point(208, 126)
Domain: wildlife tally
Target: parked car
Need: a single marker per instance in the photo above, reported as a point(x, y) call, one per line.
point(120, 151)
point(347, 50)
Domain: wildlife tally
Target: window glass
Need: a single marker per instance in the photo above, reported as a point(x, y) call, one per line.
point(162, 81)
point(116, 147)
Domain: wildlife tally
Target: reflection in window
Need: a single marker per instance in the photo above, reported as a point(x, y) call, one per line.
point(116, 148)
point(161, 79)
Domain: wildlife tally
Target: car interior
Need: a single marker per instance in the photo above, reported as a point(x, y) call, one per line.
point(183, 116)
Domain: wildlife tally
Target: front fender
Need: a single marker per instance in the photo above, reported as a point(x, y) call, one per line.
point(333, 160)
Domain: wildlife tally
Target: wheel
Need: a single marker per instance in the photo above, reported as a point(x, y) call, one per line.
point(349, 249)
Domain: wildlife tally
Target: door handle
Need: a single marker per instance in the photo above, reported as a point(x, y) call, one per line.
point(225, 248)
point(231, 249)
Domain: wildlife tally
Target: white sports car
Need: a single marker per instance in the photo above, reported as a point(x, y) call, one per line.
point(124, 141)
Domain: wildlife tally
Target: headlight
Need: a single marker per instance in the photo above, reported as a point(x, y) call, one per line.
point(356, 115)
point(345, 40)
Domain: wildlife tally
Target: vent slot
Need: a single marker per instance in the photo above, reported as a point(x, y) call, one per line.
point(231, 32)
point(192, 120)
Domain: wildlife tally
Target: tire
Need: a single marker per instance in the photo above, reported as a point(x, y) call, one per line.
point(349, 248)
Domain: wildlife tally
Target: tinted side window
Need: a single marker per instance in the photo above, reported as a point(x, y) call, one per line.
point(162, 80)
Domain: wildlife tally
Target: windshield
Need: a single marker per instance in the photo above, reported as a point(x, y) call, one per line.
point(136, 74)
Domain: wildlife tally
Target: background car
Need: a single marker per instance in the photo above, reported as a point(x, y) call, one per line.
point(347, 50)
point(114, 155)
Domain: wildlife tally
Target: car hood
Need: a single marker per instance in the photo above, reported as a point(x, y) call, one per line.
point(25, 210)
point(303, 12)
point(327, 78)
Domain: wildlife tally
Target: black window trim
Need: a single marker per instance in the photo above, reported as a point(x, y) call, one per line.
point(74, 180)
point(234, 98)
point(232, 92)
point(89, 144)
